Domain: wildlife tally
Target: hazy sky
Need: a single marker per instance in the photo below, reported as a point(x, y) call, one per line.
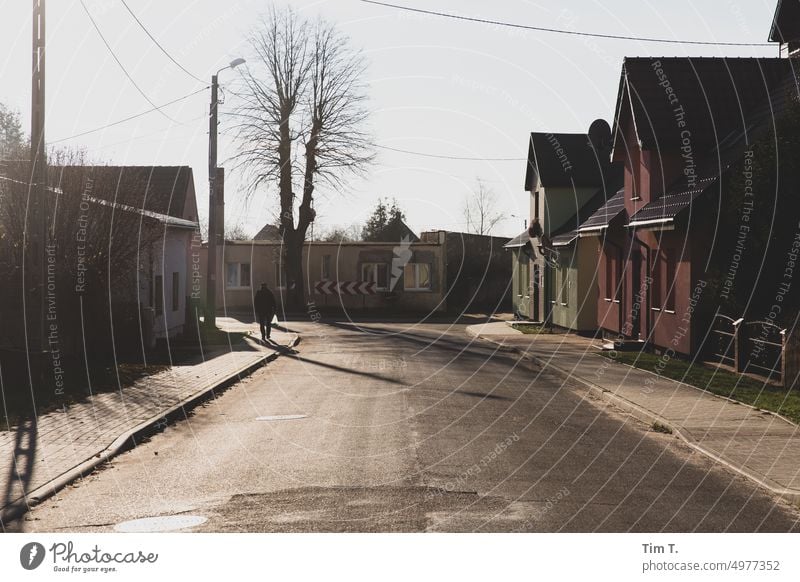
point(436, 85)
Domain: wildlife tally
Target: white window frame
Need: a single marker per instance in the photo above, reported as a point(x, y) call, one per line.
point(416, 277)
point(238, 276)
point(323, 275)
point(374, 268)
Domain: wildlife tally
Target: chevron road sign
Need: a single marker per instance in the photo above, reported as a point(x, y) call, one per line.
point(345, 287)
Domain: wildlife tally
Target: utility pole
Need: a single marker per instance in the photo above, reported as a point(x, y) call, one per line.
point(36, 224)
point(216, 201)
point(211, 276)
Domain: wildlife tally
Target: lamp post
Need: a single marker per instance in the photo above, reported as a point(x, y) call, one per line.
point(213, 202)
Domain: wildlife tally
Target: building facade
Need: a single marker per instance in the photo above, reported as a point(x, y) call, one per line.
point(567, 176)
point(423, 277)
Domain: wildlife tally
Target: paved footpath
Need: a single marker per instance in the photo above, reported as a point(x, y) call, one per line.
point(71, 442)
point(763, 446)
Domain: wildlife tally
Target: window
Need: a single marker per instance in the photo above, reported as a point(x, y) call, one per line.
point(656, 291)
point(417, 277)
point(524, 276)
point(326, 267)
point(158, 295)
point(613, 274)
point(536, 204)
point(375, 273)
point(237, 275)
point(564, 284)
point(669, 280)
point(176, 291)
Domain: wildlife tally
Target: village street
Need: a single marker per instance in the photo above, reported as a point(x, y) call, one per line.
point(411, 427)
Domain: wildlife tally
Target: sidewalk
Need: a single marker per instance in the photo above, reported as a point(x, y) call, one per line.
point(70, 443)
point(759, 445)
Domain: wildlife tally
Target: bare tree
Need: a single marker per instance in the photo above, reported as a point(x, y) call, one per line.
point(341, 234)
point(299, 120)
point(236, 231)
point(480, 210)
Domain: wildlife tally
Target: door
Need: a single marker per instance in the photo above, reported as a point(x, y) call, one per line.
point(536, 291)
point(522, 285)
point(637, 299)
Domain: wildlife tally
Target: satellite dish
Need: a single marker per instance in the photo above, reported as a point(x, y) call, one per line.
point(600, 136)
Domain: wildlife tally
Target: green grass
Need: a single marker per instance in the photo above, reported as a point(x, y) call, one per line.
point(531, 328)
point(718, 381)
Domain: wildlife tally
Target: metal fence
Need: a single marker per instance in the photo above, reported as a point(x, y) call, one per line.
point(762, 345)
point(753, 347)
point(721, 346)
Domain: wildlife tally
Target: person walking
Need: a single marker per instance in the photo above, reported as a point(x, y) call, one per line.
point(264, 303)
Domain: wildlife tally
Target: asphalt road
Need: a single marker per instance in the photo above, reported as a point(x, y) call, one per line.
point(412, 428)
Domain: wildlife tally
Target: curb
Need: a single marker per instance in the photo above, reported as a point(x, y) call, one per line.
point(128, 439)
point(647, 416)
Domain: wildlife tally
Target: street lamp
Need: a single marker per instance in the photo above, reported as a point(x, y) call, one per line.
point(215, 203)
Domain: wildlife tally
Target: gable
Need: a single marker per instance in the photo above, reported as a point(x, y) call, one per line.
point(562, 160)
point(786, 22)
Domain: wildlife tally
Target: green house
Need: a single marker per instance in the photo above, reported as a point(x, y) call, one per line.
point(568, 177)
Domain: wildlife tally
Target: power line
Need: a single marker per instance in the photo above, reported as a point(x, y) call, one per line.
point(121, 66)
point(158, 44)
point(447, 157)
point(156, 108)
point(151, 134)
point(561, 31)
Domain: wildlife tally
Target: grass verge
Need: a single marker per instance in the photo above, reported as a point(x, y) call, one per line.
point(718, 381)
point(531, 328)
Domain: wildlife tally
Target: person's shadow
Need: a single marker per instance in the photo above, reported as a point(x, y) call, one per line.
point(271, 343)
point(14, 504)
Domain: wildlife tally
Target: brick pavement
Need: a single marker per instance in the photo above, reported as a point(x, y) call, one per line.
point(760, 445)
point(64, 440)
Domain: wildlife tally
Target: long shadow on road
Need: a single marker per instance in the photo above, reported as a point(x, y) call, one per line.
point(294, 356)
point(467, 348)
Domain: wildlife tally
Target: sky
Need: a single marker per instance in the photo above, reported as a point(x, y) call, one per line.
point(436, 86)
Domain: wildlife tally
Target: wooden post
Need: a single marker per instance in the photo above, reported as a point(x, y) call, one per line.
point(790, 358)
point(739, 342)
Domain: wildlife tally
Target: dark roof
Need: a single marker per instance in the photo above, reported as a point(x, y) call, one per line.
point(716, 94)
point(669, 206)
point(716, 161)
point(86, 197)
point(786, 23)
point(569, 231)
point(762, 119)
point(269, 232)
point(603, 216)
point(158, 189)
point(561, 240)
point(563, 160)
point(613, 180)
point(518, 241)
